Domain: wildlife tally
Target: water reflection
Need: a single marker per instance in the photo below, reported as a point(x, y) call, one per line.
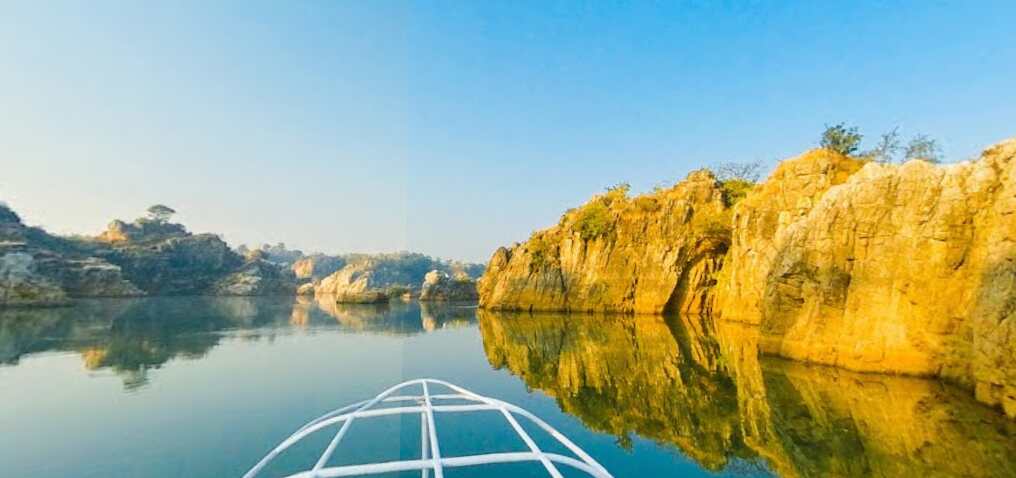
point(701, 387)
point(133, 336)
point(683, 382)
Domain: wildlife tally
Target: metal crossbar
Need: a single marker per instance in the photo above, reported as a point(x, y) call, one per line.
point(431, 460)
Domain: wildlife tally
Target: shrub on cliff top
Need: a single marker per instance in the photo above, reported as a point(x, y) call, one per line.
point(617, 193)
point(924, 148)
point(593, 220)
point(842, 139)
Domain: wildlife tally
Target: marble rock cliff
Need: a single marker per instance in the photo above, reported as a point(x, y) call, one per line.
point(649, 254)
point(904, 269)
point(439, 286)
point(880, 268)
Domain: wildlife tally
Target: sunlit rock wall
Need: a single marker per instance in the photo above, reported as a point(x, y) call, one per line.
point(647, 254)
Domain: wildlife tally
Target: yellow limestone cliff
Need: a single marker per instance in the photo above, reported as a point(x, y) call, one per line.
point(880, 268)
point(650, 254)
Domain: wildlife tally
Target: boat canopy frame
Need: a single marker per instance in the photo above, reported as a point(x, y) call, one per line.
point(428, 404)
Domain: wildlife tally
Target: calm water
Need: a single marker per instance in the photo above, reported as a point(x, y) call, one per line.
point(203, 387)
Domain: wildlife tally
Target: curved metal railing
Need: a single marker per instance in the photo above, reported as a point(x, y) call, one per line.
point(427, 405)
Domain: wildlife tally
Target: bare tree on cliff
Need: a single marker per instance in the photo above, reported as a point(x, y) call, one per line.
point(749, 172)
point(840, 138)
point(924, 148)
point(888, 146)
point(160, 213)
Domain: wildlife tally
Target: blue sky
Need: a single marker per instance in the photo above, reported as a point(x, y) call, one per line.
point(451, 128)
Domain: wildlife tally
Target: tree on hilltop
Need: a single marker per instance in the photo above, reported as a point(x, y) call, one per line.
point(160, 213)
point(749, 171)
point(840, 138)
point(888, 146)
point(924, 148)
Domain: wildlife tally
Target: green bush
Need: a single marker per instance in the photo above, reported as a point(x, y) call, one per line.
point(735, 190)
point(594, 220)
point(841, 139)
point(617, 193)
point(541, 250)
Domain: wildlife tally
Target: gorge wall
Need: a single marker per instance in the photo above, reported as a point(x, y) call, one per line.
point(655, 253)
point(880, 268)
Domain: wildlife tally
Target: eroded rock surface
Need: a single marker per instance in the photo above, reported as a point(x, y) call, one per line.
point(37, 269)
point(903, 269)
point(257, 277)
point(355, 283)
point(439, 286)
point(649, 254)
point(879, 268)
point(20, 284)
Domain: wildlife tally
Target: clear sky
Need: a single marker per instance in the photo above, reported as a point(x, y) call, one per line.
point(451, 128)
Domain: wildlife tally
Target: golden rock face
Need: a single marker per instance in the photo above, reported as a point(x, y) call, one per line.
point(879, 268)
point(700, 385)
point(647, 255)
point(903, 269)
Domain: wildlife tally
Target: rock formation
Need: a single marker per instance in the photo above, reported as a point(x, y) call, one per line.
point(317, 266)
point(903, 269)
point(880, 268)
point(306, 289)
point(165, 259)
point(355, 283)
point(439, 286)
point(21, 284)
point(37, 269)
point(146, 256)
point(257, 277)
point(654, 253)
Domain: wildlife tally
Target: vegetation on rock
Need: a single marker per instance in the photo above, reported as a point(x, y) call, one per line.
point(839, 260)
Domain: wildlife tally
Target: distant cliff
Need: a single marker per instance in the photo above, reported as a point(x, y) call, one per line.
point(872, 267)
point(37, 268)
point(369, 278)
point(144, 257)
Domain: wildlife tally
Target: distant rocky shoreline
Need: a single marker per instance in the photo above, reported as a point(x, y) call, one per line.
point(152, 256)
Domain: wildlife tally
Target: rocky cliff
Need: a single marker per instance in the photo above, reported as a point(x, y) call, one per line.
point(650, 254)
point(438, 286)
point(128, 259)
point(379, 277)
point(881, 268)
point(255, 278)
point(355, 283)
point(37, 269)
point(903, 269)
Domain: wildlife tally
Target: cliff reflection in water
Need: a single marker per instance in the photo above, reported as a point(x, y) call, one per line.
point(700, 386)
point(131, 337)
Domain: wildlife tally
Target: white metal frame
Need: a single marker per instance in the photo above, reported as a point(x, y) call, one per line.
point(431, 459)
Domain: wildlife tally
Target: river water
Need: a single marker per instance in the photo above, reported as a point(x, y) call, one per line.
point(203, 387)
